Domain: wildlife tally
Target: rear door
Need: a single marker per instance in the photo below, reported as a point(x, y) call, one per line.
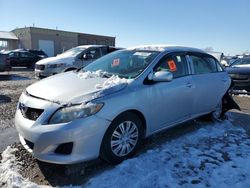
point(170, 102)
point(14, 59)
point(210, 82)
point(27, 59)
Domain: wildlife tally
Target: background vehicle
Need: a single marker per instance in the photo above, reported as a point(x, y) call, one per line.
point(39, 53)
point(239, 71)
point(4, 64)
point(72, 59)
point(22, 58)
point(106, 108)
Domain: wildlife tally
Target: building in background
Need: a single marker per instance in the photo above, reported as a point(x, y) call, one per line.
point(51, 41)
point(8, 40)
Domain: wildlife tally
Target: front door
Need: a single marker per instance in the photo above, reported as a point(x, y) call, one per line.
point(171, 102)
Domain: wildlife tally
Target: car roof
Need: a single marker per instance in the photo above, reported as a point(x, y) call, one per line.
point(88, 46)
point(164, 47)
point(19, 50)
point(97, 46)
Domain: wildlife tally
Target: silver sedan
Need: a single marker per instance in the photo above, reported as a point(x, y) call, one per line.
point(107, 108)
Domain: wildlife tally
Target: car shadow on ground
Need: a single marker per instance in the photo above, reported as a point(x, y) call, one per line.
point(4, 99)
point(7, 77)
point(78, 174)
point(241, 119)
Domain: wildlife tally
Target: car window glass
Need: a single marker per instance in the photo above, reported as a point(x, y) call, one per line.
point(95, 53)
point(215, 65)
point(176, 64)
point(125, 63)
point(245, 61)
point(203, 65)
point(11, 54)
point(104, 50)
point(24, 55)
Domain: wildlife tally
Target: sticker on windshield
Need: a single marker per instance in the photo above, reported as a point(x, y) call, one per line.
point(115, 63)
point(172, 65)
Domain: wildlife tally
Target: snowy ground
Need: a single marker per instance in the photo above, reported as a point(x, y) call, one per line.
point(213, 155)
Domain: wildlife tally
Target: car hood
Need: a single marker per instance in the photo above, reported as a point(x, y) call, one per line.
point(54, 60)
point(238, 70)
point(70, 87)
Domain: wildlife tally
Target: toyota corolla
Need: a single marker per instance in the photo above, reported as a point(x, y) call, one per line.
point(106, 109)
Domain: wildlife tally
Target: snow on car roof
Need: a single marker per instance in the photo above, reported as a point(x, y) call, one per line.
point(88, 46)
point(163, 47)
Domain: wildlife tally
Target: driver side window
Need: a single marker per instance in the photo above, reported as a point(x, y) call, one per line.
point(176, 64)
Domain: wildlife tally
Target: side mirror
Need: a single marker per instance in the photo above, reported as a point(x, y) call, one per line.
point(161, 76)
point(85, 56)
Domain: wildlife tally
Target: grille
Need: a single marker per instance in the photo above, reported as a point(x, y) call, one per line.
point(40, 67)
point(30, 113)
point(29, 143)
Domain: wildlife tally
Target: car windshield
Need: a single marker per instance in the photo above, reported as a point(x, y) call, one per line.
point(243, 61)
point(37, 52)
point(73, 51)
point(124, 63)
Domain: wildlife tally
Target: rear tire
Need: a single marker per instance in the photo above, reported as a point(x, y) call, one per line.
point(122, 138)
point(216, 115)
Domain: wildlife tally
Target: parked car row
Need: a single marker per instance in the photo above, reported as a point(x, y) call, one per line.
point(106, 108)
point(72, 59)
point(239, 71)
point(20, 58)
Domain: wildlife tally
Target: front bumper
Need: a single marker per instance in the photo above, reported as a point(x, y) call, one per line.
point(85, 134)
point(48, 72)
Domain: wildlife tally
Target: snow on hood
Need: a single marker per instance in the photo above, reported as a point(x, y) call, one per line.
point(55, 60)
point(73, 87)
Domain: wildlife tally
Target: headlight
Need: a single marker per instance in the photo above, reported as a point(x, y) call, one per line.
point(68, 114)
point(52, 66)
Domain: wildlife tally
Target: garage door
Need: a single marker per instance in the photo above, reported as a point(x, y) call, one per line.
point(47, 46)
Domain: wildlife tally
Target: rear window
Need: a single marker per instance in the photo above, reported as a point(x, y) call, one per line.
point(203, 64)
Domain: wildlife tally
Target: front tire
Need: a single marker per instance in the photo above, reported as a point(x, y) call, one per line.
point(122, 138)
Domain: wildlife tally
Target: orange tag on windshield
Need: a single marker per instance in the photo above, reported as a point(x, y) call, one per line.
point(172, 65)
point(115, 63)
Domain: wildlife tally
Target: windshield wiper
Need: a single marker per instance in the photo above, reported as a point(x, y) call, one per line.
point(106, 75)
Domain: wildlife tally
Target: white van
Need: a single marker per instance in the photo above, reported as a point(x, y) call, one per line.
point(71, 59)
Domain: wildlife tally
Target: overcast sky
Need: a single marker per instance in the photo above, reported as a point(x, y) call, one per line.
point(221, 24)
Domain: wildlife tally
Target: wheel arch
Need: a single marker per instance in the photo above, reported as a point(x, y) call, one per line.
point(140, 115)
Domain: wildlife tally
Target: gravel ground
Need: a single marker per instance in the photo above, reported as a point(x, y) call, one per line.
point(42, 173)
point(11, 87)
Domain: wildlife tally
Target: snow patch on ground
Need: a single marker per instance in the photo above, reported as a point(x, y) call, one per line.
point(9, 176)
point(241, 93)
point(216, 155)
